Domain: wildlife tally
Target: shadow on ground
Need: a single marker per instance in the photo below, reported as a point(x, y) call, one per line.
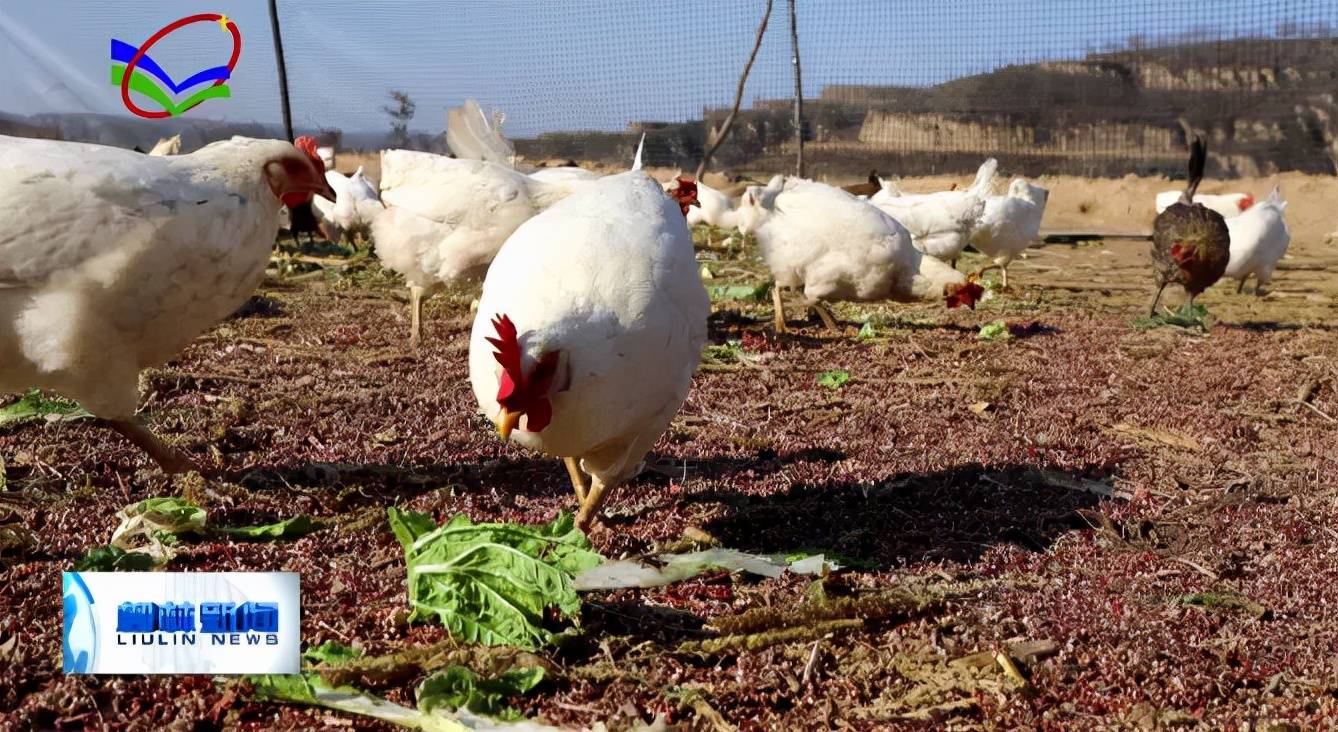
point(953, 515)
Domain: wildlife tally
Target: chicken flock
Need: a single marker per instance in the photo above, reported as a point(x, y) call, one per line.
point(592, 315)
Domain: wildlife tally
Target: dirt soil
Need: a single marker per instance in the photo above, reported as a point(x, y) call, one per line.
point(1141, 522)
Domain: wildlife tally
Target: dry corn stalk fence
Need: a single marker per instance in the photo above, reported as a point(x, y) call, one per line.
point(908, 87)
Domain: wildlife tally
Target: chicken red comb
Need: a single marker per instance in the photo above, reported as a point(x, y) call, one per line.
point(307, 144)
point(1245, 202)
point(508, 348)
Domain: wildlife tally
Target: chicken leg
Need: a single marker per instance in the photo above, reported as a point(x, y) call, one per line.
point(168, 458)
point(593, 502)
point(1004, 268)
point(415, 316)
point(578, 482)
point(780, 309)
point(1156, 299)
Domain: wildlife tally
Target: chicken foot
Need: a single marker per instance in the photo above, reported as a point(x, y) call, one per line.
point(170, 459)
point(593, 502)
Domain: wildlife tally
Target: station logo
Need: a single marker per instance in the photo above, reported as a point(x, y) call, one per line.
point(181, 622)
point(134, 70)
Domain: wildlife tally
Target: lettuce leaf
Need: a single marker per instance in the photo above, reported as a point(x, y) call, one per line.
point(492, 583)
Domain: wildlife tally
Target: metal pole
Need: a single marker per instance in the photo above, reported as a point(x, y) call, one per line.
point(798, 95)
point(283, 69)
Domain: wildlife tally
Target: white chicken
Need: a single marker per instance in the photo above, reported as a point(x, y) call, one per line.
point(589, 329)
point(358, 204)
point(112, 261)
point(563, 173)
point(1227, 204)
point(1010, 223)
point(446, 218)
point(837, 247)
point(714, 207)
point(940, 223)
point(1259, 238)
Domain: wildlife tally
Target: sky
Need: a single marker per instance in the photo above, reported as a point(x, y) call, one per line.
point(572, 64)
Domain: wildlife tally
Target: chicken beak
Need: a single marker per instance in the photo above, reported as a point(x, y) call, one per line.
point(508, 422)
point(325, 190)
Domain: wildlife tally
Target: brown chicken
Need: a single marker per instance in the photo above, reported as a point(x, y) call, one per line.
point(1190, 243)
point(868, 188)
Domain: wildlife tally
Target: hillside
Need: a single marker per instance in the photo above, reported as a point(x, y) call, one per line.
point(1265, 105)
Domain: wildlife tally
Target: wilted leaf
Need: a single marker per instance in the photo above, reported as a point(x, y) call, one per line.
point(1188, 316)
point(292, 528)
point(867, 331)
point(749, 293)
point(310, 689)
point(706, 273)
point(834, 379)
point(664, 569)
point(152, 525)
point(460, 688)
point(722, 353)
point(331, 653)
point(491, 583)
point(113, 559)
point(981, 408)
point(35, 405)
point(996, 331)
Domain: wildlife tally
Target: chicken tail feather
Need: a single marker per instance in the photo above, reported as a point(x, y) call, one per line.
point(1198, 156)
point(984, 182)
point(636, 161)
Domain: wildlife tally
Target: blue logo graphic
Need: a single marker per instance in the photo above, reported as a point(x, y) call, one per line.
point(215, 617)
point(81, 632)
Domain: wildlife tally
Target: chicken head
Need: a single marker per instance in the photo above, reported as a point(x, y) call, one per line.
point(295, 178)
point(520, 393)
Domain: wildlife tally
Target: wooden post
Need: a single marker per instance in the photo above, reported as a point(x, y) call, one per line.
point(798, 94)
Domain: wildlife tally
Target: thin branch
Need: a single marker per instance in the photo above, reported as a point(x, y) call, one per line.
point(718, 136)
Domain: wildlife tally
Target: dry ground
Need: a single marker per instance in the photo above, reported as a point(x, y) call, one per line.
point(967, 475)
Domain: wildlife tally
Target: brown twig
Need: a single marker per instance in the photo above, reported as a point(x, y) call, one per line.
point(718, 136)
point(1316, 410)
point(1006, 663)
